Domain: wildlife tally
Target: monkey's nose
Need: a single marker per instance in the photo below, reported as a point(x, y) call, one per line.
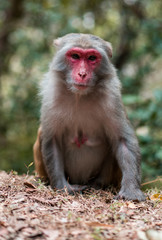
point(82, 75)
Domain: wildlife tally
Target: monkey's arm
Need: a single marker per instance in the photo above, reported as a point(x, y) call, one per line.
point(128, 157)
point(54, 162)
point(38, 159)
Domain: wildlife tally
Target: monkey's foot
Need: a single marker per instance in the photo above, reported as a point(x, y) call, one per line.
point(133, 194)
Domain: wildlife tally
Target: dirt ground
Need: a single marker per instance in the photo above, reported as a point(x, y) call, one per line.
point(30, 210)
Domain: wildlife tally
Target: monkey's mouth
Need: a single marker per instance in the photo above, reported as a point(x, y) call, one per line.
point(80, 87)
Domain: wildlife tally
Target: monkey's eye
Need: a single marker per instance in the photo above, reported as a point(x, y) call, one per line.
point(92, 58)
point(75, 56)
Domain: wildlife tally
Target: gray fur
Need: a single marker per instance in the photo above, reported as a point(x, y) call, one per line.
point(111, 149)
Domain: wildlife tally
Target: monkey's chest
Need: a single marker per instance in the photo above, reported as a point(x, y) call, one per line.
point(84, 155)
point(84, 140)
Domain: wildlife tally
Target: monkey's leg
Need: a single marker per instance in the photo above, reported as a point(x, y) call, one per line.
point(53, 160)
point(128, 159)
point(38, 159)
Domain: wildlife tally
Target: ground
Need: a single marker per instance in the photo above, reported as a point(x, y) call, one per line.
point(30, 210)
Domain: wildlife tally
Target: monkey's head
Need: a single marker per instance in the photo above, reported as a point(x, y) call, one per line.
point(82, 60)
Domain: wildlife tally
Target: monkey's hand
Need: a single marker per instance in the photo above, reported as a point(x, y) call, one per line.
point(76, 188)
point(131, 194)
point(71, 189)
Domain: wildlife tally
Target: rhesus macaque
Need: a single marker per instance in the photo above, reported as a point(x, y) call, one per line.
point(86, 138)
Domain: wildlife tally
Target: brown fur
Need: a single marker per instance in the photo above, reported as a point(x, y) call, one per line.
point(38, 159)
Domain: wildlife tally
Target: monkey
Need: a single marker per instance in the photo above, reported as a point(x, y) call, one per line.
point(86, 138)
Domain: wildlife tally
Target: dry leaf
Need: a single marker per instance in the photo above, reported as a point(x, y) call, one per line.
point(156, 197)
point(131, 205)
point(30, 185)
point(100, 225)
point(47, 214)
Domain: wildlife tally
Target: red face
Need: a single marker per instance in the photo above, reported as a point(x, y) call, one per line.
point(83, 62)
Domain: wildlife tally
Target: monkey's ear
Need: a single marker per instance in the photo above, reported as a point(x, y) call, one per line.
point(57, 42)
point(109, 49)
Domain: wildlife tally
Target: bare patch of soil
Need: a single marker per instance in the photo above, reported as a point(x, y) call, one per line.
point(30, 210)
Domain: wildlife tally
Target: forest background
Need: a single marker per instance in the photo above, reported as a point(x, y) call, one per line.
point(27, 30)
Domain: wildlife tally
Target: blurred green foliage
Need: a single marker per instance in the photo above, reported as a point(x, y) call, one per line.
point(27, 30)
